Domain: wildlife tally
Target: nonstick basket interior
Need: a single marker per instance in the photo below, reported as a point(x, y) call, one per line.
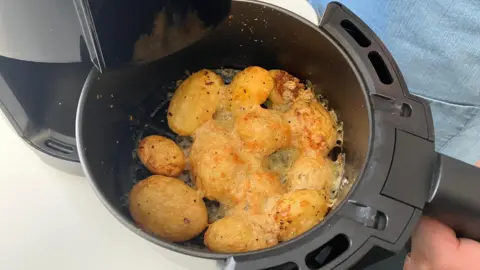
point(119, 107)
point(150, 118)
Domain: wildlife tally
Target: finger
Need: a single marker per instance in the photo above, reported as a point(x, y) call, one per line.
point(477, 163)
point(432, 240)
point(408, 264)
point(469, 251)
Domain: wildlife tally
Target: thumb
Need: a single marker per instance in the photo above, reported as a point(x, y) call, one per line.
point(432, 240)
point(408, 265)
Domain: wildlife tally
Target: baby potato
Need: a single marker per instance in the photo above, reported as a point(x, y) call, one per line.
point(286, 87)
point(168, 208)
point(216, 167)
point(252, 86)
point(262, 131)
point(161, 155)
point(310, 173)
point(299, 211)
point(194, 102)
point(313, 128)
point(241, 233)
point(265, 183)
point(262, 187)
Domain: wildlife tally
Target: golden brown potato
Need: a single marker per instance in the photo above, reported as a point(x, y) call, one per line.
point(252, 86)
point(216, 166)
point(241, 233)
point(161, 155)
point(286, 87)
point(261, 188)
point(262, 131)
point(194, 102)
point(313, 128)
point(310, 173)
point(299, 211)
point(168, 208)
point(266, 183)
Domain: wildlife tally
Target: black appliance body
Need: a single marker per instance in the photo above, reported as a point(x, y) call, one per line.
point(47, 49)
point(43, 66)
point(394, 173)
point(392, 166)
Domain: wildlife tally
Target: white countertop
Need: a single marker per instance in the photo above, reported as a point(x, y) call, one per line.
point(53, 220)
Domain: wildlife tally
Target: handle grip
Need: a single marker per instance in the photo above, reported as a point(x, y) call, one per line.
point(455, 197)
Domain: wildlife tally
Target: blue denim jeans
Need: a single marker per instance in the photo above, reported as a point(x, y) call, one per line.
point(436, 43)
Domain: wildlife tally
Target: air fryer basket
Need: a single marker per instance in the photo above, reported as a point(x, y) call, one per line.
point(383, 126)
point(121, 106)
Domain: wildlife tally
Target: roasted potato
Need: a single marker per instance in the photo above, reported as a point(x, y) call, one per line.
point(252, 86)
point(310, 173)
point(161, 155)
point(216, 166)
point(194, 102)
point(168, 208)
point(286, 87)
point(266, 183)
point(313, 129)
point(299, 211)
point(262, 187)
point(241, 233)
point(262, 131)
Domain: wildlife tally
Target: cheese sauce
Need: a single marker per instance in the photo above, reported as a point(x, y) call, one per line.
point(278, 162)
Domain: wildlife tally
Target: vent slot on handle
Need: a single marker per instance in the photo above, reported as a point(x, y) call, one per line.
point(59, 146)
point(355, 33)
point(380, 68)
point(285, 266)
point(328, 252)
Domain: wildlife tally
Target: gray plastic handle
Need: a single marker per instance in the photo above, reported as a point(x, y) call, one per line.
point(455, 197)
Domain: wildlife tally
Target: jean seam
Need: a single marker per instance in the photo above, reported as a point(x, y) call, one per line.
point(447, 102)
point(470, 119)
point(460, 131)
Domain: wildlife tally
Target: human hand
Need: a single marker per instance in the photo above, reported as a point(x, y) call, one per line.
point(436, 247)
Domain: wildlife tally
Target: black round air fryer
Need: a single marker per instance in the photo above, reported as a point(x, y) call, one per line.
point(393, 172)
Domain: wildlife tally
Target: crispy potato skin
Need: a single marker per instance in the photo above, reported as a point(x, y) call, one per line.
point(194, 102)
point(299, 211)
point(262, 131)
point(310, 173)
point(262, 189)
point(241, 233)
point(268, 168)
point(250, 87)
point(168, 208)
point(216, 166)
point(286, 87)
point(161, 155)
point(313, 128)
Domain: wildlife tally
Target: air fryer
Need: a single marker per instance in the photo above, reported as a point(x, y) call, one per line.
point(394, 174)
